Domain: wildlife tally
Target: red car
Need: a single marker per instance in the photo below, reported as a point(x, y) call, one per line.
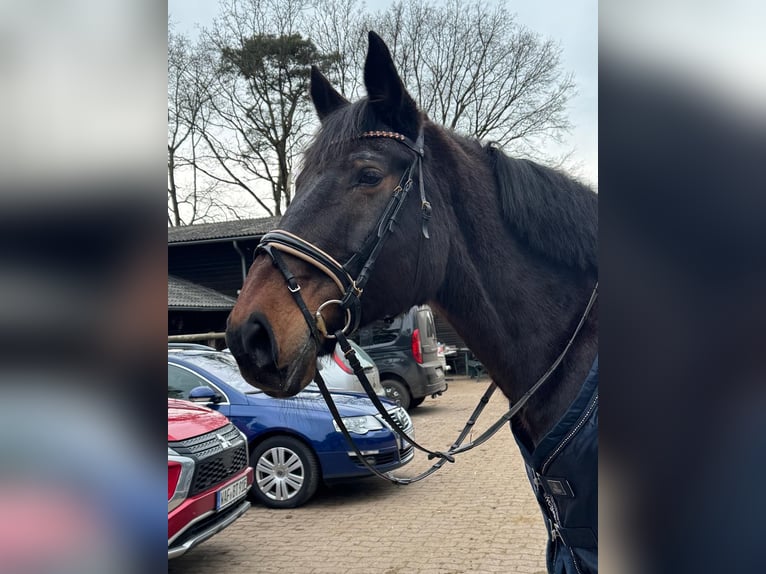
point(208, 475)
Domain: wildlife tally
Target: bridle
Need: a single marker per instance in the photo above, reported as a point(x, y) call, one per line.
point(276, 242)
point(351, 288)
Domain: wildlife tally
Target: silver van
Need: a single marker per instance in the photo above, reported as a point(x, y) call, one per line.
point(337, 373)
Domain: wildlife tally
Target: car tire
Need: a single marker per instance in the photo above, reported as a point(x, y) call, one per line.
point(397, 392)
point(285, 472)
point(416, 402)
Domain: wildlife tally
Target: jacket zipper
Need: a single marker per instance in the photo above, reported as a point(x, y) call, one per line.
point(571, 434)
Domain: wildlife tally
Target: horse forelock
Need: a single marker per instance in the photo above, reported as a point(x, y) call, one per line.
point(339, 133)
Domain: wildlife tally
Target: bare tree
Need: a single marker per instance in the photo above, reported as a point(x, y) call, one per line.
point(260, 110)
point(179, 129)
point(192, 196)
point(472, 68)
point(239, 114)
point(227, 152)
point(339, 27)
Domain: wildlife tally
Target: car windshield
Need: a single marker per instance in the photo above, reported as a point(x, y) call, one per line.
point(223, 366)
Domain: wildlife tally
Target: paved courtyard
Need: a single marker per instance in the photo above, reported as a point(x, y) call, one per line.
point(477, 515)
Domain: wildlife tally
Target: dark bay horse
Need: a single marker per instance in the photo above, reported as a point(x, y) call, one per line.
point(505, 249)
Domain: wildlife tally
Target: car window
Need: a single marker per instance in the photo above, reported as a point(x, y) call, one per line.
point(380, 332)
point(426, 323)
point(181, 382)
point(364, 336)
point(223, 366)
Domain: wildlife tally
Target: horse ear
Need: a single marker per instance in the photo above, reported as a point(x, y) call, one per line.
point(326, 99)
point(386, 92)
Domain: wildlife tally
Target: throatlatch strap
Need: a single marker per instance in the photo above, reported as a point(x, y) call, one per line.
point(425, 205)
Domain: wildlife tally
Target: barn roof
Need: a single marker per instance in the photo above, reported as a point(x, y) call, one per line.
point(185, 296)
point(221, 230)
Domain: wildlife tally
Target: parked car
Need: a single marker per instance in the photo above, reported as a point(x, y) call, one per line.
point(339, 376)
point(294, 443)
point(406, 353)
point(335, 368)
point(208, 475)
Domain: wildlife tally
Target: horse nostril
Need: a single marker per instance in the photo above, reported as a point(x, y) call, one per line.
point(259, 343)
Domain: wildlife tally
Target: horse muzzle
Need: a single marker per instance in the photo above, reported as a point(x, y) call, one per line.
point(254, 346)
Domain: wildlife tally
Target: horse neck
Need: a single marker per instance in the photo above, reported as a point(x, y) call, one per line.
point(515, 309)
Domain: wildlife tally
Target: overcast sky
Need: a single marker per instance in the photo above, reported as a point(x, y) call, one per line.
point(574, 24)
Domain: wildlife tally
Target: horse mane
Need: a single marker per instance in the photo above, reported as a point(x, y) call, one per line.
point(554, 214)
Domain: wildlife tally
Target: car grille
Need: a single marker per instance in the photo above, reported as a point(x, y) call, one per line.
point(205, 445)
point(401, 417)
point(383, 459)
point(218, 469)
point(218, 455)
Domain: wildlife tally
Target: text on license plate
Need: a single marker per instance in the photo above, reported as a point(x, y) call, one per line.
point(229, 494)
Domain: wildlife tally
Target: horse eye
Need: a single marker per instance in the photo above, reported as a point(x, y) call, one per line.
point(370, 178)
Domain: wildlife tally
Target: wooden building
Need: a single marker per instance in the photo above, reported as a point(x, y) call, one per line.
point(216, 255)
point(207, 265)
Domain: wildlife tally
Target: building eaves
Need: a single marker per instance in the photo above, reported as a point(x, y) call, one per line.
point(184, 295)
point(221, 230)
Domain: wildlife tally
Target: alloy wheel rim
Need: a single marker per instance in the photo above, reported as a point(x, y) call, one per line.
point(279, 473)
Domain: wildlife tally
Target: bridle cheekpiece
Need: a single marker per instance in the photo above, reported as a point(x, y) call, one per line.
point(280, 241)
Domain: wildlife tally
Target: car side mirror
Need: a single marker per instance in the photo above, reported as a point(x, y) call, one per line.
point(204, 395)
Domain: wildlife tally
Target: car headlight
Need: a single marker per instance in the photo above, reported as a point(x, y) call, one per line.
point(359, 425)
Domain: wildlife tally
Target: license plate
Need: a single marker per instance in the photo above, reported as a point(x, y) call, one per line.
point(231, 493)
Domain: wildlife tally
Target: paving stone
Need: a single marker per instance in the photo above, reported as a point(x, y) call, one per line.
point(474, 516)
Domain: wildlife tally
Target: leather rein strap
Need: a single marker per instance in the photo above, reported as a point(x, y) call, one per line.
point(276, 242)
point(458, 446)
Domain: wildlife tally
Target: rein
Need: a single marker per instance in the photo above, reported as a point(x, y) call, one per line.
point(276, 242)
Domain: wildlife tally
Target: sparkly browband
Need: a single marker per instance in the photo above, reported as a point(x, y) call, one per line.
point(382, 134)
point(416, 146)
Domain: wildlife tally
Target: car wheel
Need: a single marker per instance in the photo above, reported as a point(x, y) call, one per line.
point(397, 392)
point(286, 472)
point(416, 402)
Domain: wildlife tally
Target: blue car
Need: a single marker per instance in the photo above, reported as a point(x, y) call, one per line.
point(294, 443)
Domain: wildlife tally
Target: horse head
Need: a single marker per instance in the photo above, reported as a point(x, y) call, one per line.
point(358, 183)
